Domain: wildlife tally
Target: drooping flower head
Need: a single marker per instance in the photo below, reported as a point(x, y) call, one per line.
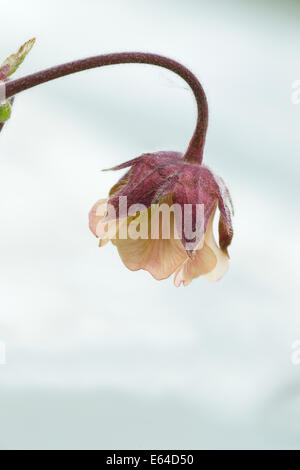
point(165, 178)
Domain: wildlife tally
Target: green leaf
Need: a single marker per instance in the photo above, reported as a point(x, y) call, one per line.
point(15, 60)
point(5, 112)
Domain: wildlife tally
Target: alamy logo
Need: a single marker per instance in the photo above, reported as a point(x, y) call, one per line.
point(159, 221)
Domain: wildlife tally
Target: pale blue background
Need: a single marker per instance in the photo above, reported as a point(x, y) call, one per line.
point(100, 357)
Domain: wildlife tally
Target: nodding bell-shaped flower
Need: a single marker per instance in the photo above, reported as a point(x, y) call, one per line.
point(188, 247)
point(160, 213)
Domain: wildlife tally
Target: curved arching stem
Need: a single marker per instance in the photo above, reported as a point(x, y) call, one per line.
point(194, 152)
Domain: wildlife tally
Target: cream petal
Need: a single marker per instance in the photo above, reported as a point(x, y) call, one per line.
point(222, 258)
point(100, 227)
point(202, 262)
point(97, 213)
point(160, 257)
point(210, 261)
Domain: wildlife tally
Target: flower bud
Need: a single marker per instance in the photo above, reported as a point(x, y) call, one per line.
point(8, 67)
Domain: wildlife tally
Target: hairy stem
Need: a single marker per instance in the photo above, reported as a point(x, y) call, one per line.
point(194, 152)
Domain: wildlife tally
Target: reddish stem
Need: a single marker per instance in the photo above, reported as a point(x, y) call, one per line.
point(194, 152)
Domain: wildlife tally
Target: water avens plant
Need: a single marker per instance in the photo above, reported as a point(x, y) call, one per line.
point(160, 214)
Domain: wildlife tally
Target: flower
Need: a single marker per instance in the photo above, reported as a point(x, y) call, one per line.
point(166, 179)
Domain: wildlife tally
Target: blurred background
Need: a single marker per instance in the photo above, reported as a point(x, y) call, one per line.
point(98, 357)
